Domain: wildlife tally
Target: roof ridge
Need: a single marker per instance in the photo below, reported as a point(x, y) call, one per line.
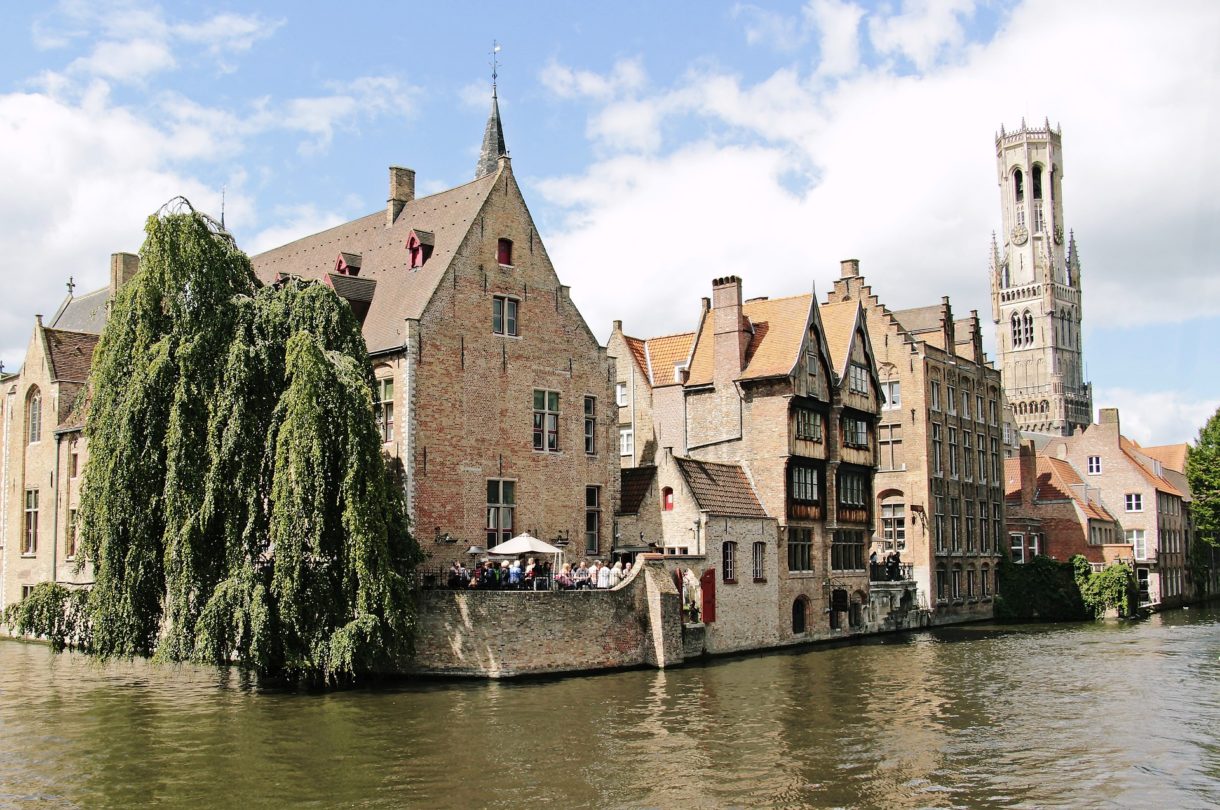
point(669, 335)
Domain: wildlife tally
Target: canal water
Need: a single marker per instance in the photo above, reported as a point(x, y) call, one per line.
point(1092, 715)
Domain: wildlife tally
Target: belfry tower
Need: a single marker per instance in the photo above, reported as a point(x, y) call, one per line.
point(1035, 287)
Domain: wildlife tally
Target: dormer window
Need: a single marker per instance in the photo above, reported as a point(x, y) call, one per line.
point(419, 248)
point(347, 264)
point(504, 252)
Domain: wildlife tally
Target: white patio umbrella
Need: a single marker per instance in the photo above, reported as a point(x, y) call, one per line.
point(526, 543)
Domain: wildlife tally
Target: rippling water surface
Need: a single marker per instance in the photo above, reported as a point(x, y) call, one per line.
point(1098, 715)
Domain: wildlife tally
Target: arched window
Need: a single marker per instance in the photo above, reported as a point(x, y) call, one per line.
point(985, 580)
point(1027, 329)
point(667, 499)
point(800, 610)
point(33, 415)
point(1018, 180)
point(1016, 329)
point(1037, 182)
point(1044, 407)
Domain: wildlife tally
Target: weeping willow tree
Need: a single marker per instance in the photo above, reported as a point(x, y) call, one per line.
point(236, 504)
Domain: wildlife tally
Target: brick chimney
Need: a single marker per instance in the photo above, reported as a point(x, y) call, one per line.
point(1109, 416)
point(849, 268)
point(1028, 461)
point(402, 191)
point(728, 327)
point(123, 267)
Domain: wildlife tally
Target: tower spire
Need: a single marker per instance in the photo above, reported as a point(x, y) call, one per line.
point(493, 133)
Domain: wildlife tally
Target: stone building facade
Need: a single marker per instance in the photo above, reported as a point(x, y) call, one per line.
point(1136, 488)
point(938, 496)
point(1035, 287)
point(42, 450)
point(494, 395)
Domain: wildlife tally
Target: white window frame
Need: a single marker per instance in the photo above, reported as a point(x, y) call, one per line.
point(892, 389)
point(626, 441)
point(620, 394)
point(1134, 501)
point(1094, 465)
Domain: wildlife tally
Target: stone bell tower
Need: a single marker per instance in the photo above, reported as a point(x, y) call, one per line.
point(1035, 287)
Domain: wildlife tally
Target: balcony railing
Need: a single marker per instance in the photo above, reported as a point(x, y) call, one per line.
point(882, 572)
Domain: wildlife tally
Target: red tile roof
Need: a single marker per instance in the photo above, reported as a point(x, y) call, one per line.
point(664, 353)
point(1171, 456)
point(1132, 451)
point(774, 347)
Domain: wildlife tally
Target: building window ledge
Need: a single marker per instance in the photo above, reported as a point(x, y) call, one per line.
point(729, 581)
point(25, 555)
point(760, 579)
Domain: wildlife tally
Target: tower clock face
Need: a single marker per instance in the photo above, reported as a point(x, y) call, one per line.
point(1019, 235)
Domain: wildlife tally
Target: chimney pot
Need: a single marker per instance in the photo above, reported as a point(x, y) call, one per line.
point(849, 268)
point(1109, 416)
point(618, 326)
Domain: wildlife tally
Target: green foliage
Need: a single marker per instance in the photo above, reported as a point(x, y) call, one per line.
point(1039, 590)
point(1112, 588)
point(236, 504)
point(53, 612)
point(1203, 475)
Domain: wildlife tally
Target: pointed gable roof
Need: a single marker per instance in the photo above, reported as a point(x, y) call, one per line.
point(666, 352)
point(1132, 451)
point(841, 320)
point(778, 333)
point(493, 140)
point(69, 354)
point(401, 292)
point(83, 313)
point(721, 489)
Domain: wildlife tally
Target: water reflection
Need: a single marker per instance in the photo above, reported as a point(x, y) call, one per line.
point(1095, 715)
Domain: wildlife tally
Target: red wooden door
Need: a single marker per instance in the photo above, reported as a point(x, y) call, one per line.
point(707, 583)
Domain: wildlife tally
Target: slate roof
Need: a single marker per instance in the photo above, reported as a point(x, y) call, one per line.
point(920, 319)
point(70, 354)
point(721, 489)
point(353, 288)
point(83, 313)
point(635, 484)
point(774, 347)
point(401, 292)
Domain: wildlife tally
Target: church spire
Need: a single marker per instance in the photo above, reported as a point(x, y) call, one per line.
point(493, 133)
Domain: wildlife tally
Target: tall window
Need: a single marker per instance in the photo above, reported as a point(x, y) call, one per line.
point(546, 420)
point(847, 551)
point(1135, 502)
point(29, 541)
point(590, 425)
point(626, 441)
point(939, 520)
point(979, 413)
point(383, 409)
point(593, 519)
point(982, 445)
point(991, 411)
point(935, 395)
point(808, 425)
point(501, 506)
point(74, 465)
point(667, 499)
point(857, 379)
point(970, 539)
point(967, 454)
point(953, 452)
point(985, 580)
point(1136, 538)
point(997, 525)
point(503, 315)
point(984, 528)
point(729, 556)
point(889, 438)
point(1027, 329)
point(995, 461)
point(970, 583)
point(893, 394)
point(942, 585)
point(952, 399)
point(957, 582)
point(504, 251)
point(33, 416)
point(965, 404)
point(620, 394)
point(760, 559)
point(1016, 329)
point(893, 524)
point(937, 450)
point(955, 524)
point(811, 358)
point(1016, 546)
point(800, 549)
point(855, 432)
point(852, 486)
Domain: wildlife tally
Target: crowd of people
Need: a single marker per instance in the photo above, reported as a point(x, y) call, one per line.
point(511, 575)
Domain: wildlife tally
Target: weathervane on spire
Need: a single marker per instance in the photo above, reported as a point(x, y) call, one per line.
point(495, 65)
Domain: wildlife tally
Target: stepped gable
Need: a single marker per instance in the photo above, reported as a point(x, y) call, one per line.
point(70, 354)
point(778, 330)
point(401, 292)
point(635, 483)
point(721, 489)
point(84, 313)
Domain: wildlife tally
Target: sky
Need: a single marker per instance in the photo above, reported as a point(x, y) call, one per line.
point(659, 146)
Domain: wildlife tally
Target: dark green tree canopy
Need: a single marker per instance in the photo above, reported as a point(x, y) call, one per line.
point(1203, 475)
point(236, 504)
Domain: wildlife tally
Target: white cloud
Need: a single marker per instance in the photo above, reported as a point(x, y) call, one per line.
point(765, 27)
point(1157, 417)
point(126, 61)
point(348, 104)
point(626, 76)
point(234, 33)
point(922, 31)
point(293, 222)
point(838, 26)
point(793, 174)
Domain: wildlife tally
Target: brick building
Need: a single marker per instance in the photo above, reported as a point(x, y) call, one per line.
point(42, 451)
point(492, 392)
point(778, 398)
point(1136, 488)
point(939, 499)
point(1051, 510)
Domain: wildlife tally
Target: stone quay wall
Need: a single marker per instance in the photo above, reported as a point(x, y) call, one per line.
point(504, 634)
